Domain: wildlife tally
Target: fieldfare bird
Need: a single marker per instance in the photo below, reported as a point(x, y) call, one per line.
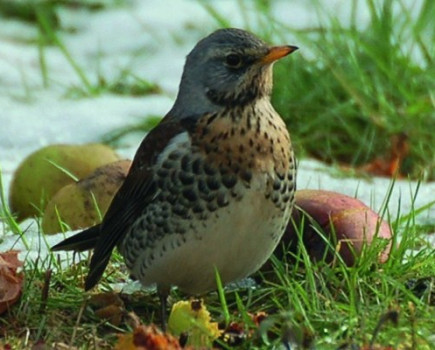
point(211, 186)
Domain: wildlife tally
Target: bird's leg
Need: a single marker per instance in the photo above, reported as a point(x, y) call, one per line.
point(163, 294)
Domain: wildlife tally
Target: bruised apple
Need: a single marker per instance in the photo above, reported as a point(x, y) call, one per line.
point(347, 223)
point(83, 203)
point(45, 171)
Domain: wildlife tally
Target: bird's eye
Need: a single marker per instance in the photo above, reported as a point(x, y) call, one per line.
point(233, 60)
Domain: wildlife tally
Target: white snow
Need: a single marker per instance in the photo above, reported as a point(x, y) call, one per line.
point(149, 38)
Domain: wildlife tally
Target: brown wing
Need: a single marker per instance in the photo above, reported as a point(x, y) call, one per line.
point(132, 197)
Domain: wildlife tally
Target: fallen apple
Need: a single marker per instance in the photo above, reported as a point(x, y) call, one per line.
point(83, 203)
point(347, 223)
point(43, 173)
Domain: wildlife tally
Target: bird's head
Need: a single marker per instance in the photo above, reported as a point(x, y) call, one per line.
point(227, 68)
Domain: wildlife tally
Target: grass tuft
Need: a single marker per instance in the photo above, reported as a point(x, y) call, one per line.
point(363, 88)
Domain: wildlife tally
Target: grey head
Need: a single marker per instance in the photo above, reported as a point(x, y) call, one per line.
point(230, 67)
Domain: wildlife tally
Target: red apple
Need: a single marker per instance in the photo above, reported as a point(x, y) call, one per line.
point(347, 223)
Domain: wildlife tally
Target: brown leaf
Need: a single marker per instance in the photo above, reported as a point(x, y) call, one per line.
point(259, 317)
point(109, 306)
point(390, 166)
point(147, 338)
point(11, 282)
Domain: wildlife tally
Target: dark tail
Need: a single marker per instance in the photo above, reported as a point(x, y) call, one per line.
point(85, 240)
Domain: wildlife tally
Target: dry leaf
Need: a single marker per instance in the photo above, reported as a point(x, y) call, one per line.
point(390, 166)
point(192, 319)
point(109, 306)
point(147, 338)
point(11, 282)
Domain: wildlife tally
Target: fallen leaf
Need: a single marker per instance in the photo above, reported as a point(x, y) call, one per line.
point(147, 338)
point(390, 165)
point(259, 317)
point(236, 333)
point(109, 306)
point(192, 319)
point(11, 281)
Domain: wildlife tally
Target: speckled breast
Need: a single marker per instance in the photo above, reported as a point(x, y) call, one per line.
point(224, 199)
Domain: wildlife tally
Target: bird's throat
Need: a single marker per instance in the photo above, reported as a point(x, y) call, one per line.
point(252, 137)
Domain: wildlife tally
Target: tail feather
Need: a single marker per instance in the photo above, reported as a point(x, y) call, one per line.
point(87, 240)
point(95, 272)
point(82, 241)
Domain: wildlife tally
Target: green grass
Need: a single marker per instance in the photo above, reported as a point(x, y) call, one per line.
point(344, 95)
point(325, 305)
point(363, 88)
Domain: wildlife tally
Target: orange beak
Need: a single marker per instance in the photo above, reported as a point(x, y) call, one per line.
point(277, 52)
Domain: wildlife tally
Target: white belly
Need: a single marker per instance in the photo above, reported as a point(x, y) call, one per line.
point(236, 241)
